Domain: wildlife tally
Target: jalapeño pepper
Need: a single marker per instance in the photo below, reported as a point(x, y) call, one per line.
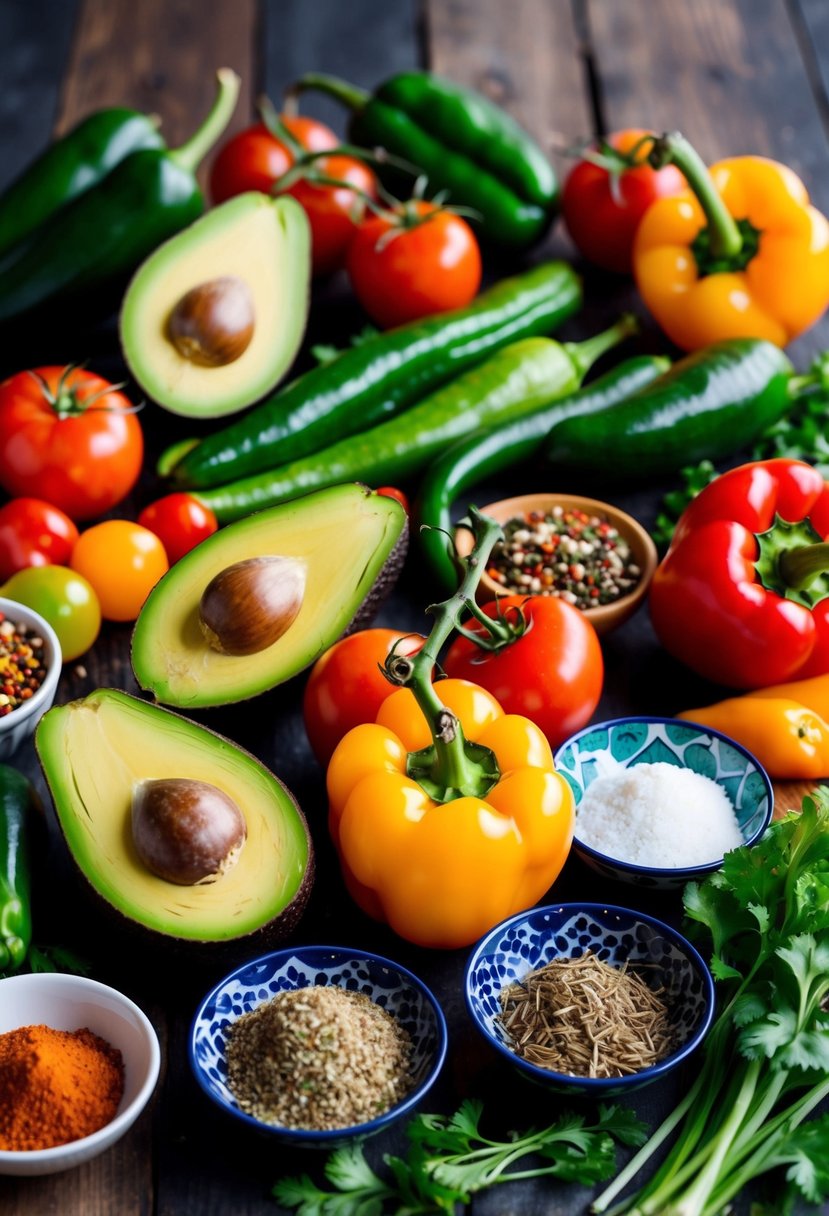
point(102, 235)
point(462, 142)
point(70, 166)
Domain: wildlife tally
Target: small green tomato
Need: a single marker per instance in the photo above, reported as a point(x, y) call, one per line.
point(65, 599)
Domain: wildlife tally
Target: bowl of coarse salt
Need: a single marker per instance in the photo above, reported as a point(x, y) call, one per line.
point(660, 801)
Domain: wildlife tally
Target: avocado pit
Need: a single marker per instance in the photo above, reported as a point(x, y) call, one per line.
point(249, 605)
point(213, 323)
point(186, 831)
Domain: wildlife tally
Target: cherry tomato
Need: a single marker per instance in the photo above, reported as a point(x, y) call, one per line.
point(346, 686)
point(65, 599)
point(393, 492)
point(180, 522)
point(425, 260)
point(123, 562)
point(34, 533)
point(254, 159)
point(602, 215)
point(68, 437)
point(333, 211)
point(552, 674)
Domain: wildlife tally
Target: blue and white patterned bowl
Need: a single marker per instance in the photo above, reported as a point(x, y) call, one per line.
point(388, 984)
point(531, 939)
point(632, 741)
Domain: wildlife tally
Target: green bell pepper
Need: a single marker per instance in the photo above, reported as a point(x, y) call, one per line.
point(462, 142)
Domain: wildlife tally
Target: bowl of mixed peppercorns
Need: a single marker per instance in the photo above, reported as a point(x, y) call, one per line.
point(589, 553)
point(30, 662)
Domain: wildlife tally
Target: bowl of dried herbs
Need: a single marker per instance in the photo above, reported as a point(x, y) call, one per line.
point(589, 999)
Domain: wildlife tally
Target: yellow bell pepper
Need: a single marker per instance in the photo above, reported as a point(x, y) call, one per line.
point(789, 740)
point(742, 253)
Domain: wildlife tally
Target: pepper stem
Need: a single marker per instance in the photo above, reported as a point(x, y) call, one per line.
point(451, 767)
point(725, 240)
point(191, 154)
point(799, 567)
point(584, 354)
point(349, 94)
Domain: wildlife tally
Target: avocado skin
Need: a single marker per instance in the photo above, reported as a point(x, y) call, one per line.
point(110, 925)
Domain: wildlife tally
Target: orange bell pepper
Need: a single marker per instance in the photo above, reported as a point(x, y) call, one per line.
point(446, 812)
point(742, 253)
point(789, 740)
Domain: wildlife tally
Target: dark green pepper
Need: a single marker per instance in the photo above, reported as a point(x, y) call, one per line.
point(487, 452)
point(378, 378)
point(462, 142)
point(513, 381)
point(17, 804)
point(102, 235)
point(70, 166)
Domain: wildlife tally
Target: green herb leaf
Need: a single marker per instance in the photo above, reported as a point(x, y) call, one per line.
point(325, 353)
point(694, 478)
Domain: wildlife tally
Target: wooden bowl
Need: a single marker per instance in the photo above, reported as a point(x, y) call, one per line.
point(606, 616)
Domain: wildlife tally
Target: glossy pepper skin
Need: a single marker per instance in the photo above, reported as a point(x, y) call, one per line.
point(462, 142)
point(789, 740)
point(92, 244)
point(715, 611)
point(771, 282)
point(70, 166)
point(17, 804)
point(442, 874)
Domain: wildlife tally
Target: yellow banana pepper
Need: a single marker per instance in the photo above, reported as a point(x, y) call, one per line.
point(812, 692)
point(742, 253)
point(789, 740)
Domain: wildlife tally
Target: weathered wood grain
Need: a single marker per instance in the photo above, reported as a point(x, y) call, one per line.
point(811, 18)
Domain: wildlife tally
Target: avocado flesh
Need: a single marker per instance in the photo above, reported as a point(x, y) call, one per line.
point(92, 752)
point(344, 535)
point(263, 241)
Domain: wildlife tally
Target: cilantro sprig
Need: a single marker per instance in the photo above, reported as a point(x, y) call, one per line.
point(450, 1159)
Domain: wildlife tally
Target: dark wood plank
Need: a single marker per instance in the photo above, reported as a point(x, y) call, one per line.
point(811, 18)
point(730, 74)
point(34, 43)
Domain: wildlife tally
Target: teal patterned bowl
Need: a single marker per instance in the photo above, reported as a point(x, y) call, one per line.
point(631, 741)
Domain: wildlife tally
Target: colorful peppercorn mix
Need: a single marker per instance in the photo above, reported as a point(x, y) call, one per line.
point(565, 552)
point(22, 664)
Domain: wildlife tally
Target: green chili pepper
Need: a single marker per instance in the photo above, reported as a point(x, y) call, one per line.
point(380, 377)
point(17, 802)
point(462, 142)
point(487, 452)
point(102, 235)
point(70, 166)
point(511, 382)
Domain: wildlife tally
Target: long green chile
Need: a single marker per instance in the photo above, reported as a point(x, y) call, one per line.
point(514, 381)
point(491, 450)
point(17, 802)
point(369, 383)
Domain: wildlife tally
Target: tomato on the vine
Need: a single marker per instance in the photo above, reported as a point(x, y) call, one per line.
point(180, 522)
point(34, 533)
point(65, 599)
point(411, 263)
point(333, 211)
point(123, 562)
point(607, 193)
point(346, 686)
point(552, 674)
point(254, 159)
point(69, 437)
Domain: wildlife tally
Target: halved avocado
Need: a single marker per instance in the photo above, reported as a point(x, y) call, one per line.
point(335, 552)
point(213, 318)
point(94, 753)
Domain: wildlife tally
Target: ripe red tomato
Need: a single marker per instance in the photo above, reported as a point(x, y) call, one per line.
point(33, 533)
point(346, 686)
point(334, 211)
point(180, 522)
point(552, 674)
point(400, 273)
point(602, 215)
point(254, 159)
point(68, 437)
point(122, 562)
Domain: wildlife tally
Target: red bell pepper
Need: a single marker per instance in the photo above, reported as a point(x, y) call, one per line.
point(742, 596)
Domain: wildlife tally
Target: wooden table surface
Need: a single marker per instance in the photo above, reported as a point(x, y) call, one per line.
point(737, 76)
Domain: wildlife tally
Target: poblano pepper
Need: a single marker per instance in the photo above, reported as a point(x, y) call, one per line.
point(462, 142)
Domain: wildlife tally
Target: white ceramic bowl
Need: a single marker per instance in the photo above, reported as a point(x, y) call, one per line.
point(69, 1002)
point(17, 726)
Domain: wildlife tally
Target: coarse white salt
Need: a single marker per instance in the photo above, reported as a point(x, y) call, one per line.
point(658, 815)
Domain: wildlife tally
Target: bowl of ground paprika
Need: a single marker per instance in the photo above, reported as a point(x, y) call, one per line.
point(78, 1063)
